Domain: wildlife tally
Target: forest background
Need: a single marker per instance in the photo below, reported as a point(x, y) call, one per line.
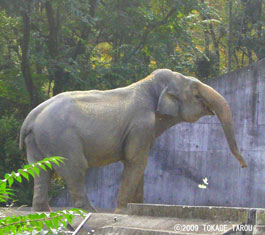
point(51, 46)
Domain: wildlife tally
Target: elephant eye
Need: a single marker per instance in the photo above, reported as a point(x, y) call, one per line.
point(199, 98)
point(172, 96)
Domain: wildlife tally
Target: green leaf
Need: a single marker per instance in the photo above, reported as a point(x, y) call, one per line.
point(7, 176)
point(31, 172)
point(10, 181)
point(48, 164)
point(69, 218)
point(19, 179)
point(27, 166)
point(56, 221)
point(55, 161)
point(3, 183)
point(42, 166)
point(24, 173)
point(48, 223)
point(36, 170)
point(64, 222)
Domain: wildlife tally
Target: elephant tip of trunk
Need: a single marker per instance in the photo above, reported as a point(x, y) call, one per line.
point(238, 156)
point(243, 164)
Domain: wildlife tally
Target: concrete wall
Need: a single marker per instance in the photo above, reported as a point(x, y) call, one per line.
point(186, 153)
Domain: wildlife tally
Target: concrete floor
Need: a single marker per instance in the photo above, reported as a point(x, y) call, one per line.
point(148, 219)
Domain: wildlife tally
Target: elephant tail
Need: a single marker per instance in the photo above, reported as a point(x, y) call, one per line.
point(28, 125)
point(30, 119)
point(23, 133)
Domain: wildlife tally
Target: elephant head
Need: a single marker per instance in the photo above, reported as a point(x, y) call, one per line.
point(188, 99)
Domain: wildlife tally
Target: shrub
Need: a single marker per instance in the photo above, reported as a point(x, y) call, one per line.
point(33, 223)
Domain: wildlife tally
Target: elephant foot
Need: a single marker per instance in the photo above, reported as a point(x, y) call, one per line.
point(85, 206)
point(89, 208)
point(41, 207)
point(122, 211)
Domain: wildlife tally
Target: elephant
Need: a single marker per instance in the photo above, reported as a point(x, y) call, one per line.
point(95, 128)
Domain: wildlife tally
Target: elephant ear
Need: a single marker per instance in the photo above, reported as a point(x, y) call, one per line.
point(168, 103)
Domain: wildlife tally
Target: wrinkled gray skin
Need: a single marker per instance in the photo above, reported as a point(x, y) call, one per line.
point(96, 128)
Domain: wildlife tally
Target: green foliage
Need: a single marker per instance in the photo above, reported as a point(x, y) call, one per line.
point(47, 223)
point(10, 158)
point(9, 153)
point(32, 169)
point(248, 31)
point(33, 223)
point(205, 65)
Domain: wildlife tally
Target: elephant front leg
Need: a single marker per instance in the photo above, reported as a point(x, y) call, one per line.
point(137, 148)
point(131, 178)
point(133, 175)
point(139, 195)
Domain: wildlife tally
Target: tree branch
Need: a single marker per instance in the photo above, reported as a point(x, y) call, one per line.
point(149, 30)
point(216, 45)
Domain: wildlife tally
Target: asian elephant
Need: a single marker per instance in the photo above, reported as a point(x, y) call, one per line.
point(95, 128)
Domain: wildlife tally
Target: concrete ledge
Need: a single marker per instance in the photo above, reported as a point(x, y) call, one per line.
point(260, 217)
point(259, 230)
point(104, 223)
point(150, 219)
point(223, 214)
point(132, 231)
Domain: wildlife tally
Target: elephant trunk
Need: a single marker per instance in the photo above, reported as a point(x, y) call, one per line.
point(218, 104)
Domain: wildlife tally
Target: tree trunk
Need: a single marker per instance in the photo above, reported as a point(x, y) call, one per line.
point(216, 48)
point(230, 35)
point(57, 73)
point(25, 64)
point(206, 33)
point(259, 49)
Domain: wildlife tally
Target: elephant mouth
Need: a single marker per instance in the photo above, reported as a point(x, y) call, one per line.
point(208, 110)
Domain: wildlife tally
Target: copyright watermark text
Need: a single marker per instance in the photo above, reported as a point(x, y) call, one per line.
point(213, 228)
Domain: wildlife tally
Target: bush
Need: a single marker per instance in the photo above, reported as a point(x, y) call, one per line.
point(33, 223)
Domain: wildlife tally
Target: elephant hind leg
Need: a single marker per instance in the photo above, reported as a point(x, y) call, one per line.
point(73, 173)
point(41, 187)
point(41, 182)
